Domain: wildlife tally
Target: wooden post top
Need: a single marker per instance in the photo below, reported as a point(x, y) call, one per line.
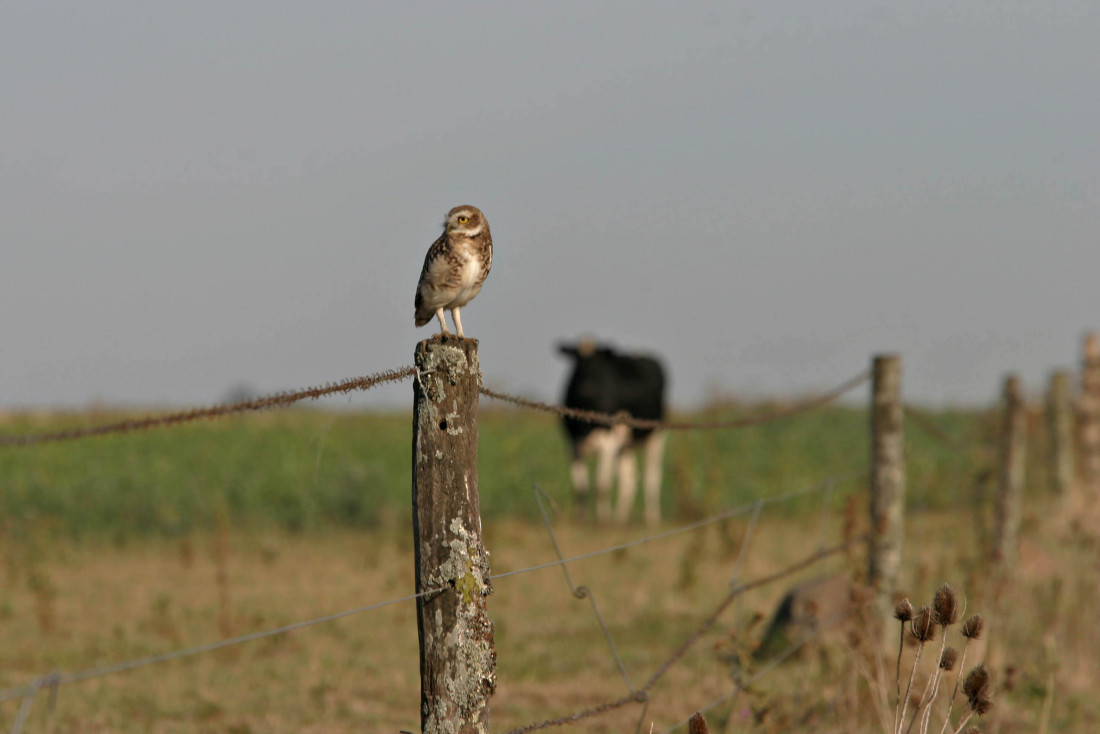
point(1092, 347)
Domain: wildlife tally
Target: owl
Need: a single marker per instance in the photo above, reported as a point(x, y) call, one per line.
point(455, 267)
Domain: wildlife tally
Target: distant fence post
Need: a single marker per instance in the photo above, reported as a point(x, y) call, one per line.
point(1090, 417)
point(1008, 502)
point(887, 483)
point(457, 652)
point(1060, 430)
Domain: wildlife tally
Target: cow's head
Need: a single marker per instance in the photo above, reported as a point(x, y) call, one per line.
point(583, 349)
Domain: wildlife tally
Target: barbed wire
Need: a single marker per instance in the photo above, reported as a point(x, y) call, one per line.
point(580, 592)
point(639, 696)
point(284, 399)
point(742, 684)
point(818, 555)
point(55, 679)
point(267, 402)
point(711, 520)
point(642, 694)
point(958, 445)
point(623, 418)
point(583, 592)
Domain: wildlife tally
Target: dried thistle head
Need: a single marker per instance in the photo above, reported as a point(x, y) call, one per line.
point(922, 627)
point(976, 680)
point(903, 612)
point(697, 724)
point(976, 688)
point(972, 627)
point(980, 704)
point(945, 606)
point(947, 660)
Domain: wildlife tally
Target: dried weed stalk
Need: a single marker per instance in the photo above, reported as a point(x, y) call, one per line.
point(942, 613)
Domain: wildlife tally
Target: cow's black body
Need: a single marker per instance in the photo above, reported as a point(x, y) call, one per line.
point(607, 381)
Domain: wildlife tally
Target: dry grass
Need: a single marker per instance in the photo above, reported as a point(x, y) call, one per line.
point(73, 606)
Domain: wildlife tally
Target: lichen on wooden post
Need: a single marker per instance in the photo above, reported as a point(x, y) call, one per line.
point(1008, 502)
point(887, 483)
point(457, 652)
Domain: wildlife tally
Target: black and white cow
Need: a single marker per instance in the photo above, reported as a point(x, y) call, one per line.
point(606, 381)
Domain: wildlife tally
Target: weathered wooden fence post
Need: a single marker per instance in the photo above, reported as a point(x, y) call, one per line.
point(1090, 417)
point(457, 652)
point(1060, 432)
point(1008, 502)
point(887, 483)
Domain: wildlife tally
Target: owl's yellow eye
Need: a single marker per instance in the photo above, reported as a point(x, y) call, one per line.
point(463, 220)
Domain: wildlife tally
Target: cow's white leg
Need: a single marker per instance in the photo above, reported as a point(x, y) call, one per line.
point(628, 484)
point(654, 460)
point(605, 475)
point(614, 442)
point(578, 472)
point(606, 444)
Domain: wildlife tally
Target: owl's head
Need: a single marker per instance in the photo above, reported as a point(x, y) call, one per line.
point(465, 220)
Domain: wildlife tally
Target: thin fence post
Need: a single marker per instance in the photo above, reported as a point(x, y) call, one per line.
point(887, 483)
point(1060, 432)
point(1008, 502)
point(457, 651)
point(1089, 408)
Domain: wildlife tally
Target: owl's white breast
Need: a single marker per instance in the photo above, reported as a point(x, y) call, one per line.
point(469, 280)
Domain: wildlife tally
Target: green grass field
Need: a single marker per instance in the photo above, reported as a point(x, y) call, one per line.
point(113, 548)
point(303, 470)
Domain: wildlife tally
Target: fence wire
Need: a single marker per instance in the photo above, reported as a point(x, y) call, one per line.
point(580, 592)
point(743, 684)
point(285, 399)
point(718, 517)
point(55, 679)
point(583, 592)
point(623, 418)
point(968, 442)
point(642, 695)
point(267, 402)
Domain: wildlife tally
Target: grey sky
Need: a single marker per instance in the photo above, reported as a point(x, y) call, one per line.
point(195, 195)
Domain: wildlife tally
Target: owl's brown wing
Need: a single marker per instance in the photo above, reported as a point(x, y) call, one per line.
point(485, 255)
point(434, 276)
